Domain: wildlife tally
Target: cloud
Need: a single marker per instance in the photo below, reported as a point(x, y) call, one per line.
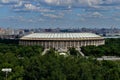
point(49, 5)
point(88, 5)
point(97, 14)
point(30, 7)
point(72, 3)
point(116, 19)
point(9, 1)
point(92, 15)
point(54, 16)
point(19, 4)
point(22, 19)
point(52, 6)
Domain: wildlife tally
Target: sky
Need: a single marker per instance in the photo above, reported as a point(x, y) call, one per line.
point(59, 13)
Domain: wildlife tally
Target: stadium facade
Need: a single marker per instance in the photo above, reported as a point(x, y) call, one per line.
point(62, 40)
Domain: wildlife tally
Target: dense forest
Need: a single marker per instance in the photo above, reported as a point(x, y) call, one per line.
point(27, 63)
point(111, 48)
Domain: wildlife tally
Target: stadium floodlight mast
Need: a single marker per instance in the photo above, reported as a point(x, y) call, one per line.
point(6, 70)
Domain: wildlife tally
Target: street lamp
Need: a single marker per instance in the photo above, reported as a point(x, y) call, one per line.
point(6, 70)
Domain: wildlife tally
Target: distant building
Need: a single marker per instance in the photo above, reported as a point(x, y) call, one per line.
point(62, 40)
point(2, 31)
point(9, 31)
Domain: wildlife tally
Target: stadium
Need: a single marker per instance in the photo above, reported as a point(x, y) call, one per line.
point(62, 40)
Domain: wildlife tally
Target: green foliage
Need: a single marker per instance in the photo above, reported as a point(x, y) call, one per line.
point(9, 41)
point(73, 51)
point(27, 63)
point(111, 48)
point(51, 52)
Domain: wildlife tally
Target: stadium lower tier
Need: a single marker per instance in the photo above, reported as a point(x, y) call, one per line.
point(62, 44)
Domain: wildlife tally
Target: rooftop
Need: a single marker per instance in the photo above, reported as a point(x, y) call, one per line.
point(61, 36)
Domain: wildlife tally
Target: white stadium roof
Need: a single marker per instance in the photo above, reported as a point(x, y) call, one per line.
point(53, 36)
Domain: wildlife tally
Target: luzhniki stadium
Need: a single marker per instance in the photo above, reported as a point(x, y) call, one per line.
point(62, 40)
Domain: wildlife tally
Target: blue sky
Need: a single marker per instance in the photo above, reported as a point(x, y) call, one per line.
point(59, 13)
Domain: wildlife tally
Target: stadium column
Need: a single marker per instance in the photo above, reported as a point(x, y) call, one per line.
point(22, 42)
point(56, 45)
point(81, 43)
point(70, 43)
point(93, 42)
point(45, 44)
point(49, 44)
point(66, 44)
point(99, 42)
point(84, 43)
point(53, 44)
point(78, 45)
point(74, 43)
point(88, 42)
point(103, 41)
point(96, 43)
point(39, 42)
point(28, 42)
point(31, 43)
point(25, 42)
point(42, 43)
point(62, 46)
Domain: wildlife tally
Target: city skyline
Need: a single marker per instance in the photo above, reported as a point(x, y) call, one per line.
point(59, 13)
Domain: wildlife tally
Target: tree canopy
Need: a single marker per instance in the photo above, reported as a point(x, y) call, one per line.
point(27, 63)
point(111, 48)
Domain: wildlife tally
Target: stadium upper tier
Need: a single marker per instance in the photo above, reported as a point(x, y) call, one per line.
point(60, 36)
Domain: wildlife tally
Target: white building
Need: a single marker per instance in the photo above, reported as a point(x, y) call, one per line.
point(62, 40)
